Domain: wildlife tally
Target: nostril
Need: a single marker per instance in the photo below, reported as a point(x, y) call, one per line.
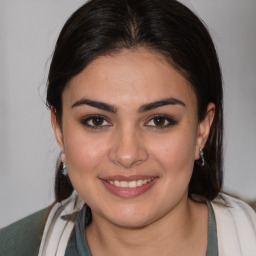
point(128, 160)
point(127, 149)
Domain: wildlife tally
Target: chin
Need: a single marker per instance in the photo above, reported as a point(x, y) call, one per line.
point(131, 223)
point(130, 218)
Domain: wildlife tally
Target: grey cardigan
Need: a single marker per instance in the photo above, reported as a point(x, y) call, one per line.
point(23, 237)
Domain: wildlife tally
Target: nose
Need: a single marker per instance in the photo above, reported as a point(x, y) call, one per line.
point(128, 149)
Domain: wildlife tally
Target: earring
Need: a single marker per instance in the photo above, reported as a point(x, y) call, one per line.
point(201, 153)
point(64, 169)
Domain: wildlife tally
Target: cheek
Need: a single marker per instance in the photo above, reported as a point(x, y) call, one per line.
point(83, 154)
point(175, 153)
point(84, 158)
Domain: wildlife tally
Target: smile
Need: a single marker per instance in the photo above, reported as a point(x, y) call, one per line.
point(129, 184)
point(129, 187)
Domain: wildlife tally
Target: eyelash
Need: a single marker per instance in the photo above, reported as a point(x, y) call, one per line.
point(164, 118)
point(94, 117)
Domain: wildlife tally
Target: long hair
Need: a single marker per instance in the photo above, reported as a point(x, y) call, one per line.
point(102, 27)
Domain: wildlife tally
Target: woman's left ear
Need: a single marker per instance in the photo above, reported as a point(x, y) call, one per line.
point(203, 128)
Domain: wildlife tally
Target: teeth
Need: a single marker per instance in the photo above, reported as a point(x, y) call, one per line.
point(129, 184)
point(139, 183)
point(116, 183)
point(123, 184)
point(132, 184)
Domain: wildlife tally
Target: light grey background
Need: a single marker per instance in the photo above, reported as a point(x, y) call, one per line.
point(28, 31)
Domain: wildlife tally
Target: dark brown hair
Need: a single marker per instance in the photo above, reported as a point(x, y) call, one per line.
point(102, 27)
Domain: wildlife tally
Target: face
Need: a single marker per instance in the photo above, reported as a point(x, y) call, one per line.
point(130, 136)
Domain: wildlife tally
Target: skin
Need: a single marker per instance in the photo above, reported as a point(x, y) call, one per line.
point(129, 142)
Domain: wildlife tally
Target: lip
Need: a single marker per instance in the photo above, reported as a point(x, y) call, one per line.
point(128, 192)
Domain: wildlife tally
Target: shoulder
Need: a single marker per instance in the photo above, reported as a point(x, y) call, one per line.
point(236, 208)
point(23, 236)
point(236, 226)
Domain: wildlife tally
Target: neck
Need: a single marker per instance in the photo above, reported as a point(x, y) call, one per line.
point(174, 233)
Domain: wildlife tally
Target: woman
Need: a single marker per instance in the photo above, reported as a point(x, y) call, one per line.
point(135, 94)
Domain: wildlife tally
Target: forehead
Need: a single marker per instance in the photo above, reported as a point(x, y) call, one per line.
point(138, 76)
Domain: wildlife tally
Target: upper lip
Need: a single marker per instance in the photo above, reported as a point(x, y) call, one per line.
point(128, 178)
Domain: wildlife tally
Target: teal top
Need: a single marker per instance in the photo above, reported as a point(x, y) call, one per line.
point(78, 246)
point(212, 244)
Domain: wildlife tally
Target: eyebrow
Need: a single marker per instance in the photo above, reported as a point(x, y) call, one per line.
point(112, 109)
point(96, 104)
point(161, 103)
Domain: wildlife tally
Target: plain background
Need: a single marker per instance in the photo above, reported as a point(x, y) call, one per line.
point(28, 31)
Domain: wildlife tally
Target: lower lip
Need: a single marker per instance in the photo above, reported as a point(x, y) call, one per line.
point(128, 192)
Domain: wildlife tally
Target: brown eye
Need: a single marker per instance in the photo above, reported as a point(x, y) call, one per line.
point(161, 121)
point(96, 122)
